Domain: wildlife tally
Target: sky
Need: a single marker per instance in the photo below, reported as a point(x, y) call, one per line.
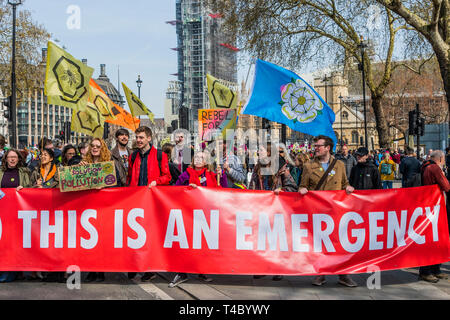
point(131, 36)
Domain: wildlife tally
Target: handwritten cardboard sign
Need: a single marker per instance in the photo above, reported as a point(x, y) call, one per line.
point(91, 176)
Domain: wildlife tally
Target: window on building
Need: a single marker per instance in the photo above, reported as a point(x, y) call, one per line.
point(344, 115)
point(355, 137)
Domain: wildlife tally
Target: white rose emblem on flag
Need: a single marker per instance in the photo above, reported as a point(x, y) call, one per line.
point(299, 103)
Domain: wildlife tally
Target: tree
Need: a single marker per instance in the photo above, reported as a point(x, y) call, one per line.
point(30, 38)
point(431, 19)
point(409, 88)
point(294, 32)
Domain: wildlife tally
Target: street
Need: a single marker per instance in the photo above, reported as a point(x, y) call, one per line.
point(400, 284)
point(394, 285)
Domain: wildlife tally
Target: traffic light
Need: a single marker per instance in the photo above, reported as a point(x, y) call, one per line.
point(421, 126)
point(62, 135)
point(412, 122)
point(7, 103)
point(105, 131)
point(68, 129)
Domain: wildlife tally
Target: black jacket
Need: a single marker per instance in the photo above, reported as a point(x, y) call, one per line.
point(121, 170)
point(408, 168)
point(365, 176)
point(174, 172)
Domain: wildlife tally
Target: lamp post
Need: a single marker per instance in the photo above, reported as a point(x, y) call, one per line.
point(139, 84)
point(362, 46)
point(14, 4)
point(325, 80)
point(340, 99)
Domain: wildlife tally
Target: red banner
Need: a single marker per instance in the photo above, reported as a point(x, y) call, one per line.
point(222, 231)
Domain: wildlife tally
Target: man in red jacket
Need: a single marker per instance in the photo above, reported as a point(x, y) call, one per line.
point(147, 167)
point(432, 174)
point(144, 167)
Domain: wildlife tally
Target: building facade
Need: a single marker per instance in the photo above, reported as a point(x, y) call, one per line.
point(171, 106)
point(202, 48)
point(114, 94)
point(37, 119)
point(159, 132)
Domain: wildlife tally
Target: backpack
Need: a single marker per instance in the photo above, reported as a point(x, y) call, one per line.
point(386, 168)
point(158, 156)
point(414, 181)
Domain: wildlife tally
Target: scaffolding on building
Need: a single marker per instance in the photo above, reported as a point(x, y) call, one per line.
point(202, 48)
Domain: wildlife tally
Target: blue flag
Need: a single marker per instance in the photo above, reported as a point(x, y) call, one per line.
point(281, 96)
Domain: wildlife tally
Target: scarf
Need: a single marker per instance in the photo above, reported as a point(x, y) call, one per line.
point(200, 177)
point(50, 174)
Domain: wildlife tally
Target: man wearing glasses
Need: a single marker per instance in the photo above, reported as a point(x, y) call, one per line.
point(336, 179)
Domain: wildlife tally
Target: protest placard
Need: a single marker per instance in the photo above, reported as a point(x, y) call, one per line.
point(91, 176)
point(213, 123)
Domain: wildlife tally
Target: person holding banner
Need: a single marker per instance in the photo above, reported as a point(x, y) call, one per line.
point(432, 173)
point(46, 176)
point(155, 164)
point(97, 152)
point(258, 181)
point(199, 173)
point(13, 174)
point(147, 167)
point(325, 172)
point(266, 176)
point(296, 172)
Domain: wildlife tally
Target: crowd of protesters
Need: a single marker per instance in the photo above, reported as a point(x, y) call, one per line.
point(299, 168)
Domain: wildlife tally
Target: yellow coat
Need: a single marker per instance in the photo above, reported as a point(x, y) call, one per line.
point(388, 177)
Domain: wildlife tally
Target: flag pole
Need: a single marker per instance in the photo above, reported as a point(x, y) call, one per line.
point(42, 124)
point(245, 87)
point(217, 161)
